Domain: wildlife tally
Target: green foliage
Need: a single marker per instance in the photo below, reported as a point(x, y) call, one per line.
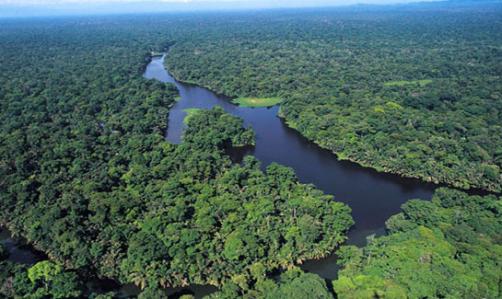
point(214, 222)
point(88, 177)
point(448, 248)
point(403, 91)
point(402, 83)
point(257, 102)
point(189, 113)
point(45, 271)
point(49, 279)
point(222, 130)
point(42, 280)
point(293, 284)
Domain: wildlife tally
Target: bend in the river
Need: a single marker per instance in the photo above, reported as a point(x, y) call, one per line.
point(373, 196)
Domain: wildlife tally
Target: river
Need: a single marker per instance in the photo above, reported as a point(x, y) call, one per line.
point(18, 250)
point(373, 196)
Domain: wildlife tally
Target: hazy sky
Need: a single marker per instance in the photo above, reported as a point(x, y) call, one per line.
point(22, 8)
point(250, 2)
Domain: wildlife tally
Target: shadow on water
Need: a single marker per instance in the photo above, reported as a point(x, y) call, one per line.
point(18, 250)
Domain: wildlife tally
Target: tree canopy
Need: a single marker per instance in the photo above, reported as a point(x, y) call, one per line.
point(88, 178)
point(415, 92)
point(450, 247)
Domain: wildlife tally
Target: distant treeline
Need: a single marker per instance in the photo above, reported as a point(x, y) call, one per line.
point(87, 177)
point(415, 91)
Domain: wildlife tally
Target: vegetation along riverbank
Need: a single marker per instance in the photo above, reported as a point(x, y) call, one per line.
point(88, 177)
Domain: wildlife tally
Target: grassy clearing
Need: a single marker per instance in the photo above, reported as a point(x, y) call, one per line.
point(190, 113)
point(404, 83)
point(156, 54)
point(257, 102)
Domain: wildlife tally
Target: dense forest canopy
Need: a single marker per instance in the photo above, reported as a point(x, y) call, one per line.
point(448, 248)
point(353, 80)
point(87, 176)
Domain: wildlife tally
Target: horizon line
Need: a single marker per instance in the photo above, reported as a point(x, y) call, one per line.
point(93, 9)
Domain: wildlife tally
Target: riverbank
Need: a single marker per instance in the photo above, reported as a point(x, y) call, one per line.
point(385, 169)
point(373, 196)
point(373, 164)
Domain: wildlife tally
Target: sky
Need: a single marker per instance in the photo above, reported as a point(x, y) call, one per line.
point(20, 8)
point(250, 2)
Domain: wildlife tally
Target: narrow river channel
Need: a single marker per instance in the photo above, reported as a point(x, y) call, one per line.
point(373, 196)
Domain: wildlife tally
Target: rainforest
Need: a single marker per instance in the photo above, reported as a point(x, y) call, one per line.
point(346, 152)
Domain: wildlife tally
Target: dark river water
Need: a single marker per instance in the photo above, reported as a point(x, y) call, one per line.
point(373, 196)
point(18, 250)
